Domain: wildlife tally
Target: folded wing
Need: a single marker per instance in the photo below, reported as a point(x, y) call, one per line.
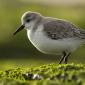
point(59, 29)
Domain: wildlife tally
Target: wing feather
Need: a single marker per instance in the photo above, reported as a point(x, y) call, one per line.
point(59, 29)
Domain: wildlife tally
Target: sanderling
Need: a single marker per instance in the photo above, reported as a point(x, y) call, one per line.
point(52, 35)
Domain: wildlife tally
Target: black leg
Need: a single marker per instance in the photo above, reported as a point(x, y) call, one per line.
point(64, 54)
point(66, 58)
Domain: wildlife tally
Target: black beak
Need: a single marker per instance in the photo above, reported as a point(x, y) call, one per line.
point(19, 29)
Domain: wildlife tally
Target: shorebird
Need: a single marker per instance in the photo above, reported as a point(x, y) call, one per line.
point(52, 35)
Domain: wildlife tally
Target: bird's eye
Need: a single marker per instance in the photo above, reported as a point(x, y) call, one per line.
point(28, 20)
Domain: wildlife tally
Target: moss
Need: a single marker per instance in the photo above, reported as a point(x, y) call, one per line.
point(51, 74)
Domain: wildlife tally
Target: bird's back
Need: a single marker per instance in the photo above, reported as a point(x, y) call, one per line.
point(59, 29)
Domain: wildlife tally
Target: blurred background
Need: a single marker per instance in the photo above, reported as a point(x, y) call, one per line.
point(17, 51)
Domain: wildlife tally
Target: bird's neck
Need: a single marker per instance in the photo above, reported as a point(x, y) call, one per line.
point(36, 24)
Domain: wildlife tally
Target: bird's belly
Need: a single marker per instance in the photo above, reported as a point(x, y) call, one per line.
point(50, 46)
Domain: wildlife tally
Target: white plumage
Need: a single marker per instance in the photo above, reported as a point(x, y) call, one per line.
point(50, 46)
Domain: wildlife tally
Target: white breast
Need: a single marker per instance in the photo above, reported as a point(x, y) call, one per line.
point(50, 46)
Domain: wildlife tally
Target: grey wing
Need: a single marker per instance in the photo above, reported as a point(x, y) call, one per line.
point(59, 29)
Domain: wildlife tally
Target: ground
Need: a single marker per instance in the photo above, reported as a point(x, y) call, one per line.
point(50, 74)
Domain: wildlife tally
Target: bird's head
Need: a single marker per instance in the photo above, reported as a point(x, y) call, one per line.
point(28, 19)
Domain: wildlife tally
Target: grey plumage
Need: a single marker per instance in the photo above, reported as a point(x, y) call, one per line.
point(59, 29)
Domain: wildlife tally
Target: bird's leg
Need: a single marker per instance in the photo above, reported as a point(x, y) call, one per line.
point(64, 54)
point(66, 58)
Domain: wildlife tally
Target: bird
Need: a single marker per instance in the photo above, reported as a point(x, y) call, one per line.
point(52, 35)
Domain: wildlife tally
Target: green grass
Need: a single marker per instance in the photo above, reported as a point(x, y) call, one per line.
point(50, 74)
